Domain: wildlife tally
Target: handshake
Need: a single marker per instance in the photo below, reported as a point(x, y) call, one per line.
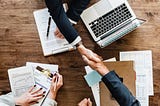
point(93, 60)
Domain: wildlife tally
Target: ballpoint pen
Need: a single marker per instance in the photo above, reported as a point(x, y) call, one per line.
point(49, 23)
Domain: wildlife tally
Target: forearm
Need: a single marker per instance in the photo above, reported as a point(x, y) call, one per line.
point(118, 90)
point(59, 16)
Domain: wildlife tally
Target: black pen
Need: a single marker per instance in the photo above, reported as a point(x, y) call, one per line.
point(49, 23)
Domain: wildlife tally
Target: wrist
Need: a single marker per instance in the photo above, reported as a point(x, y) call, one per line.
point(18, 102)
point(103, 71)
point(79, 45)
point(81, 48)
point(52, 95)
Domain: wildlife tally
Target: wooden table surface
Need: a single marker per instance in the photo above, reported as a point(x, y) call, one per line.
point(19, 43)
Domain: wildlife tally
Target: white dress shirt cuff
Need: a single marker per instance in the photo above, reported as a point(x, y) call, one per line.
point(77, 40)
point(65, 6)
point(72, 22)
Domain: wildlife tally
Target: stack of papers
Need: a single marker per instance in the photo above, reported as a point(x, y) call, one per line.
point(22, 78)
point(144, 74)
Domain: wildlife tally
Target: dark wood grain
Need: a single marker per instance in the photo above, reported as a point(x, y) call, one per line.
point(19, 43)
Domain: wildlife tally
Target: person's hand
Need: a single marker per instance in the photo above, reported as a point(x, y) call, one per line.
point(96, 63)
point(30, 97)
point(85, 102)
point(56, 84)
point(88, 53)
point(58, 34)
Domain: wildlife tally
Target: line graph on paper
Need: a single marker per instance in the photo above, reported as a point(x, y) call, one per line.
point(21, 82)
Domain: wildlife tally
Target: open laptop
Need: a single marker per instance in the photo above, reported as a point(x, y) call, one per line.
point(109, 20)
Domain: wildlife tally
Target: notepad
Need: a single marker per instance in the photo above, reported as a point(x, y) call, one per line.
point(51, 44)
point(93, 78)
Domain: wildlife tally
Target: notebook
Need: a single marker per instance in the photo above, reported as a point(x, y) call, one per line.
point(51, 44)
point(109, 20)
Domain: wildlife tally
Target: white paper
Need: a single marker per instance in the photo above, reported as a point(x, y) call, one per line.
point(95, 88)
point(144, 76)
point(41, 80)
point(52, 43)
point(143, 61)
point(141, 89)
point(21, 79)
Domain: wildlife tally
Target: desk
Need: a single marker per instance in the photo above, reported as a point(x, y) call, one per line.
point(19, 43)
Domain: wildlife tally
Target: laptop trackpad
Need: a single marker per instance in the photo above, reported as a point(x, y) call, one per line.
point(102, 7)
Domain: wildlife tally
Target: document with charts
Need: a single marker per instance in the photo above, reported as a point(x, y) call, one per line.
point(21, 79)
point(41, 80)
point(51, 44)
point(144, 74)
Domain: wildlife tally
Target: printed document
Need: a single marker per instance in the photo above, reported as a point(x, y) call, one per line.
point(51, 44)
point(21, 79)
point(41, 80)
point(144, 74)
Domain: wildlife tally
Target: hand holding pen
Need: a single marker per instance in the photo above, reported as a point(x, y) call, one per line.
point(56, 84)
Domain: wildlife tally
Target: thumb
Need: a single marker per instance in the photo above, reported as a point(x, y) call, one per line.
point(89, 102)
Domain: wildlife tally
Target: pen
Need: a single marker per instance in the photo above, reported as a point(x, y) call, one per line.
point(49, 23)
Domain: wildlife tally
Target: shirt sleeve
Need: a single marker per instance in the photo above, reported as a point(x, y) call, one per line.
point(49, 102)
point(118, 90)
point(7, 100)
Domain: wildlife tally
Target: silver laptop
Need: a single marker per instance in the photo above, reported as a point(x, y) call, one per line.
point(109, 20)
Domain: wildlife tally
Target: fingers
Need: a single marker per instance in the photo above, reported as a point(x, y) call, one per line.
point(89, 62)
point(85, 102)
point(58, 33)
point(39, 94)
point(60, 79)
point(92, 56)
point(30, 90)
point(36, 91)
point(89, 54)
point(57, 82)
point(89, 102)
point(37, 98)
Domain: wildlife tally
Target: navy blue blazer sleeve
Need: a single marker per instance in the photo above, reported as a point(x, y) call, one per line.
point(76, 7)
point(118, 90)
point(58, 14)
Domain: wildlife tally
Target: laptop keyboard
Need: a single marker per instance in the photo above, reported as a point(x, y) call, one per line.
point(110, 20)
